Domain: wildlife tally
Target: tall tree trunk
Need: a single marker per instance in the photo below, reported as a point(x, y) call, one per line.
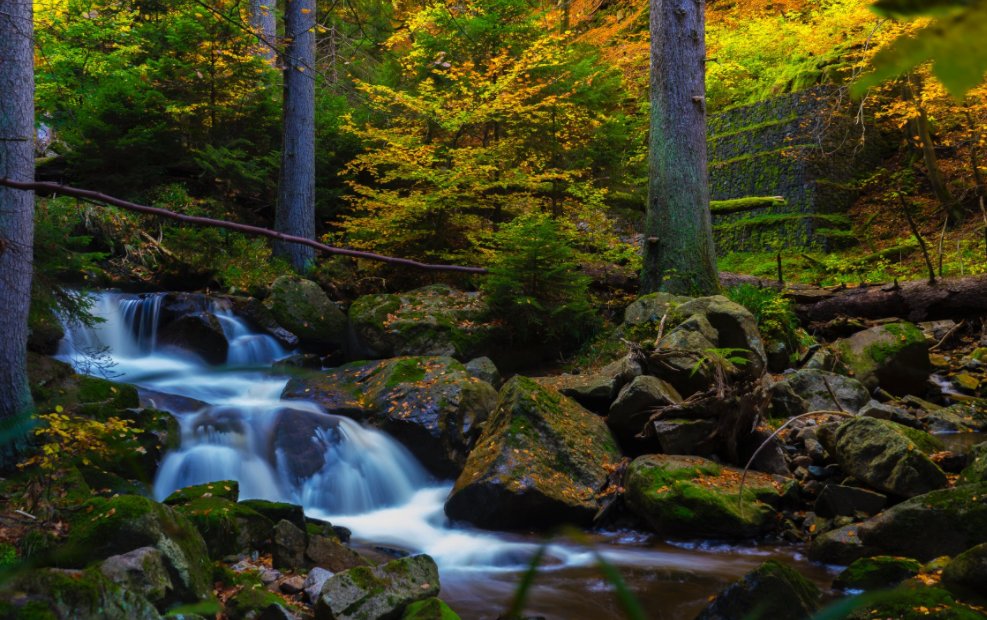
point(920, 128)
point(296, 190)
point(16, 214)
point(678, 252)
point(264, 22)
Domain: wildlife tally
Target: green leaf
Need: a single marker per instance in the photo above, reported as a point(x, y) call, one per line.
point(909, 8)
point(956, 45)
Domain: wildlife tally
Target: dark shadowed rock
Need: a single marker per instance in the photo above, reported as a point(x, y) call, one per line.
point(636, 403)
point(837, 500)
point(302, 308)
point(877, 573)
point(142, 571)
point(773, 591)
point(966, 575)
point(199, 333)
point(893, 356)
point(814, 390)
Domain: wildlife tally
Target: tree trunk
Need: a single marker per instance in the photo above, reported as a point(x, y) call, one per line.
point(296, 190)
point(919, 128)
point(678, 251)
point(16, 214)
point(264, 22)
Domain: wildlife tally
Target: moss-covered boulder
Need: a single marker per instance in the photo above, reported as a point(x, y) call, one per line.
point(430, 404)
point(893, 356)
point(429, 609)
point(884, 456)
point(540, 462)
point(222, 489)
point(877, 573)
point(105, 527)
point(596, 389)
point(966, 575)
point(384, 591)
point(303, 308)
point(976, 471)
point(947, 521)
point(957, 418)
point(691, 496)
point(433, 320)
point(143, 571)
point(254, 602)
point(227, 527)
point(814, 390)
point(773, 591)
point(53, 594)
point(914, 601)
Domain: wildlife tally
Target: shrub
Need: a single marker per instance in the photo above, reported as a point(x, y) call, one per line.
point(775, 318)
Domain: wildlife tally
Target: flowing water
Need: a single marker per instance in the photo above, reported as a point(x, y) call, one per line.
point(371, 484)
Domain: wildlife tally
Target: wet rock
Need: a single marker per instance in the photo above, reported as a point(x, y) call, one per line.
point(430, 404)
point(383, 591)
point(106, 527)
point(142, 571)
point(331, 554)
point(429, 609)
point(316, 578)
point(966, 575)
point(223, 489)
point(260, 317)
point(773, 590)
point(877, 573)
point(540, 462)
point(596, 390)
point(976, 471)
point(434, 320)
point(227, 527)
point(884, 411)
point(837, 500)
point(303, 308)
point(289, 544)
point(695, 497)
point(636, 403)
point(79, 595)
point(200, 333)
point(884, 456)
point(276, 511)
point(953, 519)
point(814, 390)
point(893, 356)
point(485, 370)
point(958, 418)
point(771, 458)
point(292, 443)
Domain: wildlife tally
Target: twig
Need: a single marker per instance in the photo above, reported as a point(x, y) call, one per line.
point(942, 239)
point(946, 337)
point(26, 514)
point(661, 329)
point(918, 236)
point(832, 395)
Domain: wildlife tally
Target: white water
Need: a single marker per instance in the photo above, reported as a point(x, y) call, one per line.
point(369, 482)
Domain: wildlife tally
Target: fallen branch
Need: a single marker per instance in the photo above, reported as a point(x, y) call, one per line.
point(257, 231)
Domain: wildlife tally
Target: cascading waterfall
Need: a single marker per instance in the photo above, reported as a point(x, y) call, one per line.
point(236, 427)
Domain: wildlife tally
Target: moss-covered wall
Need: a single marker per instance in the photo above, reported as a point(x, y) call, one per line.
point(801, 146)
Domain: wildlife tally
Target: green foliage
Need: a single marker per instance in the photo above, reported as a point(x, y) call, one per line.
point(775, 317)
point(534, 285)
point(745, 204)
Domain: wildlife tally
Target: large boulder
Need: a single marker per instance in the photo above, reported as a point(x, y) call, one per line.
point(883, 455)
point(893, 356)
point(79, 595)
point(303, 308)
point(877, 573)
point(227, 527)
point(142, 571)
point(913, 600)
point(430, 404)
point(943, 522)
point(105, 527)
point(976, 471)
point(596, 389)
point(773, 591)
point(434, 320)
point(635, 404)
point(966, 575)
point(540, 462)
point(200, 333)
point(814, 390)
point(292, 442)
point(694, 497)
point(378, 593)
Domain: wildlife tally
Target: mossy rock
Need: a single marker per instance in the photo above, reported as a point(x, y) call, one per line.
point(966, 575)
point(690, 496)
point(429, 609)
point(105, 527)
point(430, 404)
point(101, 399)
point(914, 601)
point(540, 462)
point(251, 602)
point(773, 591)
point(883, 455)
point(138, 455)
point(877, 573)
point(811, 389)
point(433, 320)
point(957, 418)
point(223, 489)
point(383, 591)
point(276, 511)
point(44, 330)
point(893, 356)
point(52, 593)
point(976, 471)
point(227, 527)
point(303, 308)
point(947, 521)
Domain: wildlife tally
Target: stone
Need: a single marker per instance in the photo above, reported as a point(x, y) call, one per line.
point(222, 489)
point(809, 390)
point(773, 590)
point(540, 462)
point(651, 308)
point(676, 436)
point(430, 404)
point(262, 319)
point(44, 330)
point(914, 600)
point(636, 403)
point(276, 511)
point(288, 549)
point(894, 356)
point(736, 328)
point(383, 591)
point(200, 333)
point(302, 308)
point(884, 411)
point(691, 496)
point(950, 521)
point(957, 418)
point(142, 571)
point(837, 500)
point(293, 584)
point(596, 390)
point(976, 471)
point(316, 578)
point(76, 594)
point(877, 573)
point(331, 554)
point(254, 602)
point(484, 369)
point(435, 320)
point(884, 456)
point(966, 575)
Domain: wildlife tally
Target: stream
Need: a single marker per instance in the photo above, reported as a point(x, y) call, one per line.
point(372, 485)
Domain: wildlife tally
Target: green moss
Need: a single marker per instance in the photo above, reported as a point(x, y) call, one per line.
point(914, 602)
point(756, 127)
point(227, 527)
point(749, 203)
point(404, 371)
point(226, 489)
point(773, 219)
point(429, 609)
point(762, 154)
point(877, 572)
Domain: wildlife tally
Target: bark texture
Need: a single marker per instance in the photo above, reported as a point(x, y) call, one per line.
point(16, 211)
point(296, 191)
point(264, 22)
point(678, 253)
